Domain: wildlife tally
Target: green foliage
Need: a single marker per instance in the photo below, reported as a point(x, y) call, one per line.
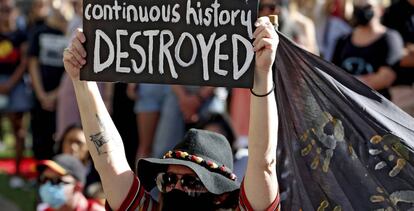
point(24, 198)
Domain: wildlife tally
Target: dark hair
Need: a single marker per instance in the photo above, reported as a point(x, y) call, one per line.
point(223, 121)
point(231, 201)
point(59, 144)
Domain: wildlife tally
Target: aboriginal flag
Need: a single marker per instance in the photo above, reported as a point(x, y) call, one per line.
point(342, 146)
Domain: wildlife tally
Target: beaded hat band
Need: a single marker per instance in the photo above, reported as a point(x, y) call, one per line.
point(210, 165)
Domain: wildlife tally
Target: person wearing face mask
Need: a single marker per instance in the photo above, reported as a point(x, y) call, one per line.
point(197, 174)
point(61, 183)
point(371, 51)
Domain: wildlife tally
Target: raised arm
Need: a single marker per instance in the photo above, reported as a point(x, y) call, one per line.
point(104, 142)
point(260, 182)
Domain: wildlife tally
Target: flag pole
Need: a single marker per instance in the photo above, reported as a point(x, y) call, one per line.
point(274, 19)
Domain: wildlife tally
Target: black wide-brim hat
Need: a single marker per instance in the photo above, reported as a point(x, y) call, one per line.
point(208, 154)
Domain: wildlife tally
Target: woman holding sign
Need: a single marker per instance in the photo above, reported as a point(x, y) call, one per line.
point(197, 173)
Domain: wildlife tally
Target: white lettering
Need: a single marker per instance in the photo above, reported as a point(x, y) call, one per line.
point(218, 56)
point(224, 17)
point(140, 50)
point(246, 20)
point(234, 14)
point(143, 14)
point(165, 51)
point(165, 13)
point(215, 6)
point(97, 12)
point(97, 65)
point(155, 13)
point(205, 49)
point(119, 54)
point(107, 12)
point(151, 34)
point(249, 56)
point(207, 19)
point(178, 47)
point(116, 9)
point(134, 10)
point(191, 12)
point(123, 11)
point(175, 14)
point(87, 15)
point(200, 12)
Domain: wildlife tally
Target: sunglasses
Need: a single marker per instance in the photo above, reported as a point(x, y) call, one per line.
point(167, 181)
point(268, 6)
point(53, 181)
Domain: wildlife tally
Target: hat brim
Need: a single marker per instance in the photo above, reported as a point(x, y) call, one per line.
point(148, 168)
point(52, 165)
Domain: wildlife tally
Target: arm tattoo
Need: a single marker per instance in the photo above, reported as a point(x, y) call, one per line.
point(101, 138)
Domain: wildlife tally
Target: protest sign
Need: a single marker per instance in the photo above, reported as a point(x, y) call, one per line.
point(188, 42)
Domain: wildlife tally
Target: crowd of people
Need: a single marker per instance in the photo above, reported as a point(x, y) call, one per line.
point(371, 39)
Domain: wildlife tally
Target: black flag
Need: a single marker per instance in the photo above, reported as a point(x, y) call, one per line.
point(342, 146)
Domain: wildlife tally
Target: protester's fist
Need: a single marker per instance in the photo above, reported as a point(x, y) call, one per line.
point(74, 55)
point(265, 43)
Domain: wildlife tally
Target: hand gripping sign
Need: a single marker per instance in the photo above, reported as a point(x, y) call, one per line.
point(189, 42)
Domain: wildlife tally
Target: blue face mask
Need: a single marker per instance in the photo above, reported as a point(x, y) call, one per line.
point(54, 195)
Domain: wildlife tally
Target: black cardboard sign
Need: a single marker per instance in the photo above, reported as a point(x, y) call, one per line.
point(189, 42)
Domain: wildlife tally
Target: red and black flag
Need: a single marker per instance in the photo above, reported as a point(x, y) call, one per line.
point(342, 146)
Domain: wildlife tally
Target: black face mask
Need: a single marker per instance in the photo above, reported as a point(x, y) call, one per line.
point(363, 15)
point(179, 200)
